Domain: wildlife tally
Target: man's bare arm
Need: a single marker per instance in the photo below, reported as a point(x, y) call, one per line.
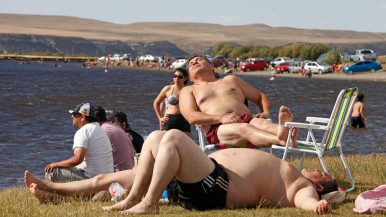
point(78, 158)
point(307, 199)
point(254, 95)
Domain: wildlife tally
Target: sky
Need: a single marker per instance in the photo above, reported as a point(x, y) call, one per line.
point(357, 15)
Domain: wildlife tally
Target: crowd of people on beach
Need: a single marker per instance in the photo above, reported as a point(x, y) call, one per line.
point(104, 150)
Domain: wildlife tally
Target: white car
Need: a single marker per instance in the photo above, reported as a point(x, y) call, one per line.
point(279, 60)
point(147, 58)
point(180, 63)
point(115, 57)
point(316, 67)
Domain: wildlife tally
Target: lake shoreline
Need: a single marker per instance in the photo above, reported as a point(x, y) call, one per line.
point(379, 76)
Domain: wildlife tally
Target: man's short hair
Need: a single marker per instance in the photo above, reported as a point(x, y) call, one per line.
point(328, 187)
point(194, 56)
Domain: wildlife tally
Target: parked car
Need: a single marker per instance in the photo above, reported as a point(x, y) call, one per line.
point(116, 57)
point(363, 66)
point(364, 54)
point(345, 57)
point(318, 67)
point(279, 60)
point(218, 61)
point(253, 65)
point(178, 63)
point(282, 67)
point(295, 67)
point(147, 58)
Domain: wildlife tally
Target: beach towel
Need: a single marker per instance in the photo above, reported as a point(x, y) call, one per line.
point(372, 201)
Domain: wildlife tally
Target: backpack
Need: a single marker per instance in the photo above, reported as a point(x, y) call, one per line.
point(137, 140)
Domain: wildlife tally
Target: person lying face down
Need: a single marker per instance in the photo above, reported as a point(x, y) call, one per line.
point(226, 179)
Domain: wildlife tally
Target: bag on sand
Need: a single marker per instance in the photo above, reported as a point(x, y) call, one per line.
point(372, 202)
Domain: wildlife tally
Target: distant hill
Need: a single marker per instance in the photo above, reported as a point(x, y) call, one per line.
point(95, 37)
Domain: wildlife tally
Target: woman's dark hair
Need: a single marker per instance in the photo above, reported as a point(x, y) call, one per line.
point(184, 72)
point(122, 118)
point(328, 187)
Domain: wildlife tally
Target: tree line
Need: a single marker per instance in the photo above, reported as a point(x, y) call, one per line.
point(298, 50)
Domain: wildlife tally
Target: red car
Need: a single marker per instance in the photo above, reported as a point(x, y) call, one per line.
point(253, 65)
point(218, 61)
point(283, 67)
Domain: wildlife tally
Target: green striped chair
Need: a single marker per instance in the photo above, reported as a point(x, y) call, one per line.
point(334, 129)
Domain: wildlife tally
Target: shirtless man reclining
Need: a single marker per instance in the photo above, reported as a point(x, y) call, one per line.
point(218, 106)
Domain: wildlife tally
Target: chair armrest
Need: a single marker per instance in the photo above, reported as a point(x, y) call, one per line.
point(317, 120)
point(305, 125)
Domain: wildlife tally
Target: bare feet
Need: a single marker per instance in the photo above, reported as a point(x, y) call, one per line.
point(321, 207)
point(44, 196)
point(29, 179)
point(294, 135)
point(285, 115)
point(142, 208)
point(121, 205)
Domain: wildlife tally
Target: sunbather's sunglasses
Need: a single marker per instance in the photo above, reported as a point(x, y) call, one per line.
point(178, 76)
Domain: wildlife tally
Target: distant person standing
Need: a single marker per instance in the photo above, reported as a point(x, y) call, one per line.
point(358, 117)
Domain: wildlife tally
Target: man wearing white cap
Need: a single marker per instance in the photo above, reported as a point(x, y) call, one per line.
point(92, 150)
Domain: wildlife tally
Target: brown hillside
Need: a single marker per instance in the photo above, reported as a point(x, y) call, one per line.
point(188, 36)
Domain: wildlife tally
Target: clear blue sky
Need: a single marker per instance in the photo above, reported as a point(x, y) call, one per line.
point(358, 15)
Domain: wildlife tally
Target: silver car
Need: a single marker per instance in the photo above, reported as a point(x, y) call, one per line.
point(319, 68)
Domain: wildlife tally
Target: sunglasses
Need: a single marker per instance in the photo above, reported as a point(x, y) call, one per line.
point(178, 76)
point(76, 115)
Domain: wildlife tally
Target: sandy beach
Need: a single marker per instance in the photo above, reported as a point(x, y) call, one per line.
point(379, 76)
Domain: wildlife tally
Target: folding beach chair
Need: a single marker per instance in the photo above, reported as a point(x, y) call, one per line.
point(333, 128)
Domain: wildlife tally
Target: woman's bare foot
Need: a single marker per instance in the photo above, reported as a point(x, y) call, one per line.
point(285, 115)
point(121, 205)
point(142, 208)
point(44, 196)
point(29, 179)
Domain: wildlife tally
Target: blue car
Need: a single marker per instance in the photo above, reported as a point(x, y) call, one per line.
point(362, 66)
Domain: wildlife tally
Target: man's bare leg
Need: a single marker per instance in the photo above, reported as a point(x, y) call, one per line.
point(84, 187)
point(144, 174)
point(265, 135)
point(44, 196)
point(178, 156)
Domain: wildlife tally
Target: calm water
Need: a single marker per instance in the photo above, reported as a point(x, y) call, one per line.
point(36, 128)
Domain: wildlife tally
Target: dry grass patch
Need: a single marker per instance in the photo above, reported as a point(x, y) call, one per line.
point(368, 171)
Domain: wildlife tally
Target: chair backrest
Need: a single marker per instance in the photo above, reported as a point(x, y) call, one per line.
point(339, 117)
